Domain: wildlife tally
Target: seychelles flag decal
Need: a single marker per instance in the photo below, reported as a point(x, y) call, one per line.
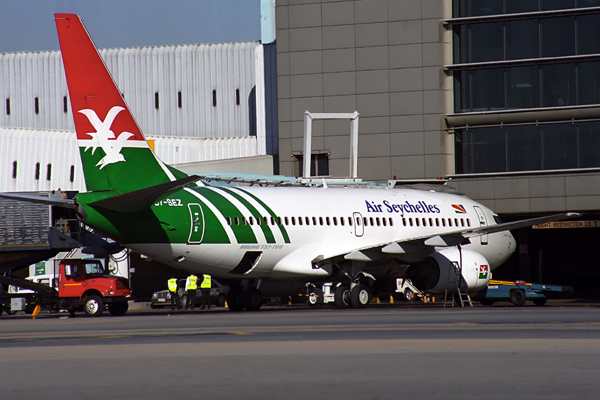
point(459, 209)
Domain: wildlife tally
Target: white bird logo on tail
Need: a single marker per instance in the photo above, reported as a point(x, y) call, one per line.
point(104, 137)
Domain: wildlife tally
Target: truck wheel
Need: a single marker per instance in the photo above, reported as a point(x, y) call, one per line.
point(119, 308)
point(517, 297)
point(93, 306)
point(408, 295)
point(342, 297)
point(540, 301)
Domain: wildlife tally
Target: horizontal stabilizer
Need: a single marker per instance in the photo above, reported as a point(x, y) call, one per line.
point(142, 199)
point(66, 203)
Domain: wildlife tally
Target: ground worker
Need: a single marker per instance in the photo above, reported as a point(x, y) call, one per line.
point(172, 285)
point(205, 288)
point(191, 284)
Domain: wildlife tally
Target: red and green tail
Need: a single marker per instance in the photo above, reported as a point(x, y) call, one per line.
point(114, 153)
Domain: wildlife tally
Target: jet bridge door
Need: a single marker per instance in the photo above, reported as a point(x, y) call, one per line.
point(482, 222)
point(359, 228)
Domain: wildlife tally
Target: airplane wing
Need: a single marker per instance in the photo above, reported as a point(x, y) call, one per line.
point(420, 244)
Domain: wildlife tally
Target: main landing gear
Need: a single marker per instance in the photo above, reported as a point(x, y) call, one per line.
point(244, 298)
point(357, 296)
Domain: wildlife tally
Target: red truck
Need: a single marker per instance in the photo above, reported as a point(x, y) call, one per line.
point(81, 285)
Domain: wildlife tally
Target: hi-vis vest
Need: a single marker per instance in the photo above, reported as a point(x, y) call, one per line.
point(172, 285)
point(193, 280)
point(206, 282)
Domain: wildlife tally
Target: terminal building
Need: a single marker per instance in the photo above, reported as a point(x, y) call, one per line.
point(498, 98)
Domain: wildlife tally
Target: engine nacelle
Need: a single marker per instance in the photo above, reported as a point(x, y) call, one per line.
point(436, 275)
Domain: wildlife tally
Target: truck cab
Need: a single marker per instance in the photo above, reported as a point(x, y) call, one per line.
point(85, 284)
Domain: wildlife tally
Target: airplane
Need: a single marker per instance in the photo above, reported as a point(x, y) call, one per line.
point(259, 237)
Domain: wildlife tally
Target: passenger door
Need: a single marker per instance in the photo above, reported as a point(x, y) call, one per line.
point(482, 222)
point(359, 229)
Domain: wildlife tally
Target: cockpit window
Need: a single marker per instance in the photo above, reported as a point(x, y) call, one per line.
point(497, 219)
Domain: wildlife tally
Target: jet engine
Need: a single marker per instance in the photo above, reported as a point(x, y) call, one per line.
point(440, 271)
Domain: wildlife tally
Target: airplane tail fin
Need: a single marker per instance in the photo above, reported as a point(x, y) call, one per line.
point(114, 152)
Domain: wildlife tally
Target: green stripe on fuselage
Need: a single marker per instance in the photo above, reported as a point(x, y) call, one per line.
point(284, 233)
point(243, 233)
point(265, 228)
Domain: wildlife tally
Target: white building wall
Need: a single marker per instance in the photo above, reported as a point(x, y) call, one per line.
point(28, 147)
point(193, 70)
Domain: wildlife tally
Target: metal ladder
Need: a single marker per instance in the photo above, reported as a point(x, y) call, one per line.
point(456, 278)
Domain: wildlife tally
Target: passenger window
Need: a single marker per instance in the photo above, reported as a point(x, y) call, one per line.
point(342, 221)
point(449, 221)
point(357, 221)
point(314, 221)
point(293, 220)
point(321, 221)
point(327, 221)
point(424, 221)
point(391, 221)
point(437, 222)
point(236, 220)
point(279, 221)
point(307, 220)
point(468, 222)
point(417, 221)
point(244, 222)
point(350, 221)
point(410, 222)
point(456, 222)
point(299, 220)
point(272, 220)
point(228, 220)
point(443, 222)
point(335, 221)
point(430, 222)
point(287, 222)
point(384, 221)
point(365, 221)
point(251, 220)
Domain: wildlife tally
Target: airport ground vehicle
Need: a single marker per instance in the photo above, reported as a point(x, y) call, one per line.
point(80, 285)
point(218, 295)
point(517, 292)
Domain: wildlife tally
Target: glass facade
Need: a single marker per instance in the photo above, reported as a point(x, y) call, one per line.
point(522, 54)
point(479, 8)
point(528, 147)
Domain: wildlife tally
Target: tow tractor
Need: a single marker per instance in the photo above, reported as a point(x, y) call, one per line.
point(517, 292)
point(81, 285)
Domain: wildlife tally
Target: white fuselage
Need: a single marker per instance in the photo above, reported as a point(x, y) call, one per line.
point(325, 223)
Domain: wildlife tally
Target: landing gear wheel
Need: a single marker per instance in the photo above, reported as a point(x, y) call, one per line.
point(221, 300)
point(517, 297)
point(252, 299)
point(360, 296)
point(234, 300)
point(93, 306)
point(118, 309)
point(540, 301)
point(342, 297)
point(408, 295)
point(314, 297)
